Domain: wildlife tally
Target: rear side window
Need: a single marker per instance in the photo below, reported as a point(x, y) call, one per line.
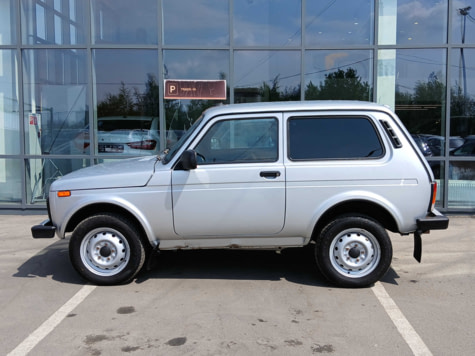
point(316, 138)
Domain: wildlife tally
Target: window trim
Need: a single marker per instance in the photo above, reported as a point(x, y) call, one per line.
point(334, 116)
point(221, 119)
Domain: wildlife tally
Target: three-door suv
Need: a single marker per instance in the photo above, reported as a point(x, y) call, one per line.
point(333, 174)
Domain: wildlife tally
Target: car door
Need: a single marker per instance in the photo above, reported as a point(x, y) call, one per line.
point(238, 187)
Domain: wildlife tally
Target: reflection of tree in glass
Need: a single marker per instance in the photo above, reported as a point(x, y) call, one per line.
point(462, 113)
point(340, 85)
point(422, 112)
point(131, 102)
point(273, 93)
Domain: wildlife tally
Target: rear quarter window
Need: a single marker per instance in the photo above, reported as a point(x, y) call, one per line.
point(323, 138)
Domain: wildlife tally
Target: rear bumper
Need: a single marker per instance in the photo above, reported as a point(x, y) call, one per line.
point(45, 230)
point(433, 221)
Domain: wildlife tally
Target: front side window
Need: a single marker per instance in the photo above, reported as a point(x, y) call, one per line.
point(239, 141)
point(318, 138)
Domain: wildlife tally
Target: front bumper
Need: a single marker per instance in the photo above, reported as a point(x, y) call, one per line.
point(45, 230)
point(432, 221)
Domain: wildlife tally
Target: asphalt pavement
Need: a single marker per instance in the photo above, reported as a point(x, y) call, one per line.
point(237, 302)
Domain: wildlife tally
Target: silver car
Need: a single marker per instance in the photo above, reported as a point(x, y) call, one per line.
point(336, 175)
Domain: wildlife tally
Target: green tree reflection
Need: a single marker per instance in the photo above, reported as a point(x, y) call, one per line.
point(423, 111)
point(131, 102)
point(340, 85)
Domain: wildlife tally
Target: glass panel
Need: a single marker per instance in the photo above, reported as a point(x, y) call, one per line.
point(55, 101)
point(338, 74)
point(54, 22)
point(462, 184)
point(10, 181)
point(463, 22)
point(203, 22)
point(420, 82)
point(7, 22)
point(239, 141)
point(413, 22)
point(126, 93)
point(266, 76)
point(462, 93)
point(9, 107)
point(40, 173)
point(125, 21)
point(191, 64)
point(337, 23)
point(267, 23)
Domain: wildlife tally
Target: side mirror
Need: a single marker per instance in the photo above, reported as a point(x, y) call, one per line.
point(188, 160)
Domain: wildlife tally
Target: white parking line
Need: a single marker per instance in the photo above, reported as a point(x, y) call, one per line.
point(406, 330)
point(53, 321)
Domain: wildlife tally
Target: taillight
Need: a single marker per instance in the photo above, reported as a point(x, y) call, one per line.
point(143, 145)
point(434, 195)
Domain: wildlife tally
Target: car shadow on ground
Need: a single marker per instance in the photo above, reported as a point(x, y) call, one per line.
point(296, 265)
point(51, 261)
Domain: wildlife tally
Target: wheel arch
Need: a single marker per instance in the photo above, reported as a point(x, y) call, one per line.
point(97, 208)
point(359, 207)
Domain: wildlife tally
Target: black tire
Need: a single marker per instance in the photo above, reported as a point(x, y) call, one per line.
point(106, 249)
point(353, 251)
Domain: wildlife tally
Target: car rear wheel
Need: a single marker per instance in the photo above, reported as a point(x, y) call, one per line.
point(106, 249)
point(353, 251)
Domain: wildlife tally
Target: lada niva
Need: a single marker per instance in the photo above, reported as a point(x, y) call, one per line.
point(334, 174)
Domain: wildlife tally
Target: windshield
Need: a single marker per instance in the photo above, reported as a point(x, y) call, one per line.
point(176, 147)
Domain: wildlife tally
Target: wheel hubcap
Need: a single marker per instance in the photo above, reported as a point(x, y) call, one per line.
point(105, 252)
point(355, 253)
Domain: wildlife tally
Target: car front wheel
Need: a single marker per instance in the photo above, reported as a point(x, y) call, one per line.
point(353, 251)
point(106, 249)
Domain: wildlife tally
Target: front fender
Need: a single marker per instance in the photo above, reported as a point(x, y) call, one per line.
point(83, 205)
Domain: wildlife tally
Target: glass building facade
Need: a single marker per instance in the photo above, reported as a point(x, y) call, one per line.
point(81, 81)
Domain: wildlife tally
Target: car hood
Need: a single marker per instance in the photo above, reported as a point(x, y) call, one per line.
point(133, 172)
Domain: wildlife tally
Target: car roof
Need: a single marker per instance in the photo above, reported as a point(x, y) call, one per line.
point(277, 106)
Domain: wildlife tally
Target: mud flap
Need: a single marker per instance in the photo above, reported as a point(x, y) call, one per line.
point(417, 246)
point(152, 258)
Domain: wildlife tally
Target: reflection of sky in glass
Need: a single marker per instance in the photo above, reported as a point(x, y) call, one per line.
point(9, 124)
point(464, 77)
point(113, 66)
point(459, 13)
point(321, 63)
point(421, 21)
point(55, 22)
point(196, 64)
point(7, 22)
point(419, 65)
point(252, 68)
point(267, 22)
point(204, 22)
point(125, 21)
point(339, 22)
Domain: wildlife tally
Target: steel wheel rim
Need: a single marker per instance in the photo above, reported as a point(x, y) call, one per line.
point(105, 251)
point(355, 253)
